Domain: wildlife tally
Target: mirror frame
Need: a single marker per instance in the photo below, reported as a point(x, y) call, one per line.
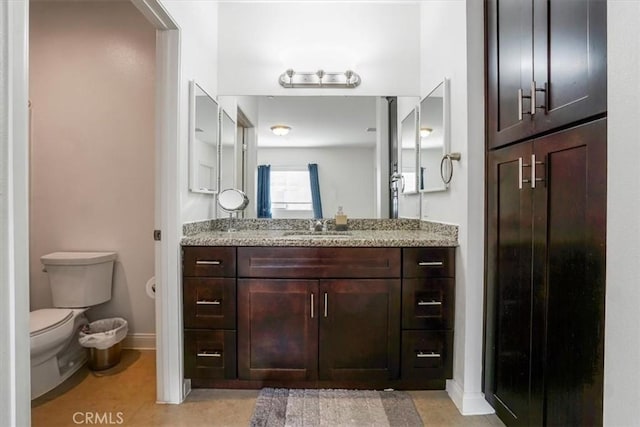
point(221, 128)
point(193, 170)
point(415, 123)
point(445, 133)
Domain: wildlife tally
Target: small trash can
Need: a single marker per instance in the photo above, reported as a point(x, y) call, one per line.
point(102, 339)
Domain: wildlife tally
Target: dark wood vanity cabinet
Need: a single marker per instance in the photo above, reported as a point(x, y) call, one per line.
point(428, 303)
point(546, 279)
point(553, 49)
point(324, 316)
point(209, 312)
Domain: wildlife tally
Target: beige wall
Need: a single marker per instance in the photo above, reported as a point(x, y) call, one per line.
point(92, 70)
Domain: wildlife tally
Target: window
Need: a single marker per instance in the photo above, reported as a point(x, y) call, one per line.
point(290, 190)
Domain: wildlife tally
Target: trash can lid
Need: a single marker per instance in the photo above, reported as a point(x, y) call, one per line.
point(48, 318)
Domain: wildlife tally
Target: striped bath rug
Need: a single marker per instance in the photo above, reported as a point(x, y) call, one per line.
point(280, 407)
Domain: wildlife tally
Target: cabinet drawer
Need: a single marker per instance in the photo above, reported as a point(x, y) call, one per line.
point(209, 261)
point(427, 354)
point(209, 303)
point(428, 303)
point(428, 262)
point(319, 263)
point(210, 354)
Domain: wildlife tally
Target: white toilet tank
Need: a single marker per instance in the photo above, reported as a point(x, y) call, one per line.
point(79, 279)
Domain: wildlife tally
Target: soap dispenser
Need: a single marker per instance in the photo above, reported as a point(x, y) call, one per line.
point(341, 220)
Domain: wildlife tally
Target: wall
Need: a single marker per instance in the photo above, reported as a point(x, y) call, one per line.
point(260, 40)
point(92, 68)
point(452, 46)
point(199, 62)
point(622, 341)
point(346, 175)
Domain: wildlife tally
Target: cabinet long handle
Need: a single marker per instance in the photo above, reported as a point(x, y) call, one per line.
point(521, 166)
point(326, 305)
point(312, 305)
point(207, 262)
point(214, 354)
point(431, 263)
point(429, 302)
point(203, 302)
point(431, 355)
point(534, 163)
point(521, 98)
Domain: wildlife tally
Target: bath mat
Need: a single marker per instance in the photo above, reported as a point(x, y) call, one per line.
point(281, 407)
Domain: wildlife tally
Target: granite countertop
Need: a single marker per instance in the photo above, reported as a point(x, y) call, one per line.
point(361, 233)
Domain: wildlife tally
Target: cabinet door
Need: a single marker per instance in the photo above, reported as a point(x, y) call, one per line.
point(570, 57)
point(508, 283)
point(360, 329)
point(509, 69)
point(569, 265)
point(277, 329)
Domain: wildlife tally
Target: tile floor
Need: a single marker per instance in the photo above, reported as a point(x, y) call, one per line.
point(125, 395)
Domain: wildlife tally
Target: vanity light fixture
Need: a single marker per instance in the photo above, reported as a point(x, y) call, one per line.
point(319, 79)
point(280, 130)
point(425, 132)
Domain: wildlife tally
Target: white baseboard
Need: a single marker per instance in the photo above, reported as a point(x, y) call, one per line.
point(468, 403)
point(140, 341)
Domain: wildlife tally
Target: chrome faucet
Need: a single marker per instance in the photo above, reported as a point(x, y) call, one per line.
point(317, 225)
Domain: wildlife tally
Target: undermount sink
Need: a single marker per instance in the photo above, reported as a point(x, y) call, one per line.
point(317, 234)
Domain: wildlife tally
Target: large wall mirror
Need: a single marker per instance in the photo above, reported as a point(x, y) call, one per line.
point(203, 141)
point(433, 138)
point(408, 152)
point(227, 150)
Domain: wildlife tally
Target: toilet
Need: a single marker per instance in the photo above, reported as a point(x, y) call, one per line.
point(78, 281)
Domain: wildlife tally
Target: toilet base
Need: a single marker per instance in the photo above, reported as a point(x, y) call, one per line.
point(54, 371)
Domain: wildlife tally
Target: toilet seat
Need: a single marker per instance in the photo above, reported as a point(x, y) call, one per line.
point(48, 319)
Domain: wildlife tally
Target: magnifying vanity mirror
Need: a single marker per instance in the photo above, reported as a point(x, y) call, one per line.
point(232, 200)
point(203, 141)
point(433, 136)
point(408, 152)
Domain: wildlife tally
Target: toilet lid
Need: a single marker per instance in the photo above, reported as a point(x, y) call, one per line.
point(46, 319)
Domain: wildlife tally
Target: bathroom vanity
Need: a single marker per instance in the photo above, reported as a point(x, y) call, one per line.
point(290, 308)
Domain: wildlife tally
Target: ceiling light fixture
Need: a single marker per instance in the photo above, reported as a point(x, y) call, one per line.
point(319, 79)
point(425, 132)
point(280, 130)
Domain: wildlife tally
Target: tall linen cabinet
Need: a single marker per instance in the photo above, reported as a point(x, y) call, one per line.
point(545, 210)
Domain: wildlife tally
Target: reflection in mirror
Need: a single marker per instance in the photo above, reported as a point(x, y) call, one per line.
point(336, 133)
point(433, 137)
point(408, 150)
point(227, 150)
point(203, 141)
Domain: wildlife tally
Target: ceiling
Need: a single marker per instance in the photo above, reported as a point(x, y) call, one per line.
point(317, 121)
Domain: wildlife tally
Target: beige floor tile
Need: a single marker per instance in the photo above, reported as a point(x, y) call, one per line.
point(125, 395)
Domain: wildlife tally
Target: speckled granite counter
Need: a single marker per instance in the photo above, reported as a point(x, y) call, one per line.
point(361, 233)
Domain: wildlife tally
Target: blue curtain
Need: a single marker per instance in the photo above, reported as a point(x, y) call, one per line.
point(264, 191)
point(315, 190)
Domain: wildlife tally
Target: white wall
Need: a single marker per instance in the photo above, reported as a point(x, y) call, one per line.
point(92, 88)
point(622, 340)
point(345, 174)
point(259, 41)
point(198, 61)
point(451, 45)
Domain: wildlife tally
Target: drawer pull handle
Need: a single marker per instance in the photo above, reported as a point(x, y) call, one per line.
point(214, 354)
point(214, 302)
point(206, 262)
point(431, 264)
point(429, 302)
point(427, 355)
